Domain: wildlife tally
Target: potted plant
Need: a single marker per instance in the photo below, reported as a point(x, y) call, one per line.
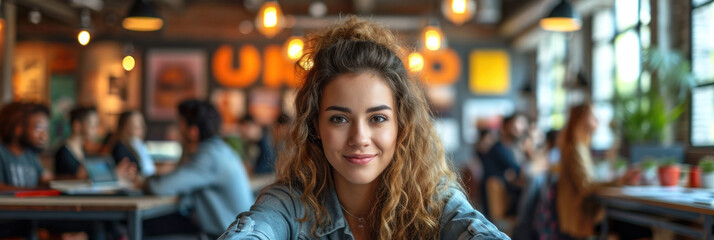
point(647, 118)
point(706, 165)
point(649, 171)
point(669, 173)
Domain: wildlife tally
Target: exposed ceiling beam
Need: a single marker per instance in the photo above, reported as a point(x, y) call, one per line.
point(402, 23)
point(55, 9)
point(522, 19)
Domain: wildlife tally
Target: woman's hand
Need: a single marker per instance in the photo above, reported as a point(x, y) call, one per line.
point(126, 170)
point(632, 177)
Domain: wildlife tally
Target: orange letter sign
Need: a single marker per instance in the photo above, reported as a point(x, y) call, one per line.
point(243, 76)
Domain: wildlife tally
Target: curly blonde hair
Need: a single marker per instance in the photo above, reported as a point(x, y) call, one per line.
point(409, 195)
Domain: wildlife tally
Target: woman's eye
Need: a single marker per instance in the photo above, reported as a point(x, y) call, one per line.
point(338, 119)
point(378, 119)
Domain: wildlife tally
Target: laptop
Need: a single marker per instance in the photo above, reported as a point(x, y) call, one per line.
point(102, 180)
point(164, 151)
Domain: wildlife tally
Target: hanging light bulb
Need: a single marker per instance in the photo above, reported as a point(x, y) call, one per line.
point(458, 11)
point(293, 48)
point(561, 19)
point(83, 37)
point(270, 19)
point(85, 22)
point(416, 62)
point(128, 63)
point(433, 38)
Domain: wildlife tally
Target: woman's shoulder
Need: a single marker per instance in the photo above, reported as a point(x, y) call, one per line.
point(460, 220)
point(281, 197)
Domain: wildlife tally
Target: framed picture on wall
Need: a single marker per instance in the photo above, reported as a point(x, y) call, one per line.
point(173, 75)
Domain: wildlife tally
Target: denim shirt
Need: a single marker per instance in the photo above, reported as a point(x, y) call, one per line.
point(275, 214)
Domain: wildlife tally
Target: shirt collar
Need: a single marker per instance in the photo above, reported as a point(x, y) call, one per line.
point(334, 210)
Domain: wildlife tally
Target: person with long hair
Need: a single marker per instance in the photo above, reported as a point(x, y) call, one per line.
point(578, 210)
point(129, 144)
point(362, 160)
point(577, 214)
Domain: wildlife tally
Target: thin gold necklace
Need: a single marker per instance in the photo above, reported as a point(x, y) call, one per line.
point(359, 219)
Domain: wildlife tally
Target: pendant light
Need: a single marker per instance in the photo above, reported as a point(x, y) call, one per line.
point(85, 22)
point(432, 36)
point(562, 18)
point(128, 62)
point(142, 17)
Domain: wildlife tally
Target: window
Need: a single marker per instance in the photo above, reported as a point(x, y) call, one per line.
point(703, 39)
point(551, 75)
point(619, 35)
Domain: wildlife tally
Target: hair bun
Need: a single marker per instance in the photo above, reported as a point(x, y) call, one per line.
point(353, 28)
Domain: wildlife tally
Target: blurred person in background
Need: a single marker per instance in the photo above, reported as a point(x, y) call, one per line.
point(84, 122)
point(535, 157)
point(265, 163)
point(471, 171)
point(23, 134)
point(486, 139)
point(578, 210)
point(250, 135)
point(212, 182)
point(24, 131)
point(129, 144)
point(501, 163)
point(551, 146)
point(281, 129)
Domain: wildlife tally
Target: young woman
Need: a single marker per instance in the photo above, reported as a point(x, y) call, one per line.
point(578, 211)
point(84, 122)
point(578, 215)
point(362, 160)
point(129, 143)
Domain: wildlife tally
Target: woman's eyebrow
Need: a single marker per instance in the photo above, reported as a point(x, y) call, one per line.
point(338, 108)
point(378, 108)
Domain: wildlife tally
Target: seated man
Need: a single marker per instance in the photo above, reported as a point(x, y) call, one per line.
point(23, 127)
point(500, 162)
point(212, 181)
point(23, 131)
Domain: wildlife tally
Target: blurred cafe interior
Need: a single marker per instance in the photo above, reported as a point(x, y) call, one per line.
point(564, 119)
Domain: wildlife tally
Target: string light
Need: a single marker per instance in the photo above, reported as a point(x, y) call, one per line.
point(270, 19)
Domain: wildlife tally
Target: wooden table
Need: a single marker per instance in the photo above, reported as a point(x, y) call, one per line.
point(132, 209)
point(661, 207)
